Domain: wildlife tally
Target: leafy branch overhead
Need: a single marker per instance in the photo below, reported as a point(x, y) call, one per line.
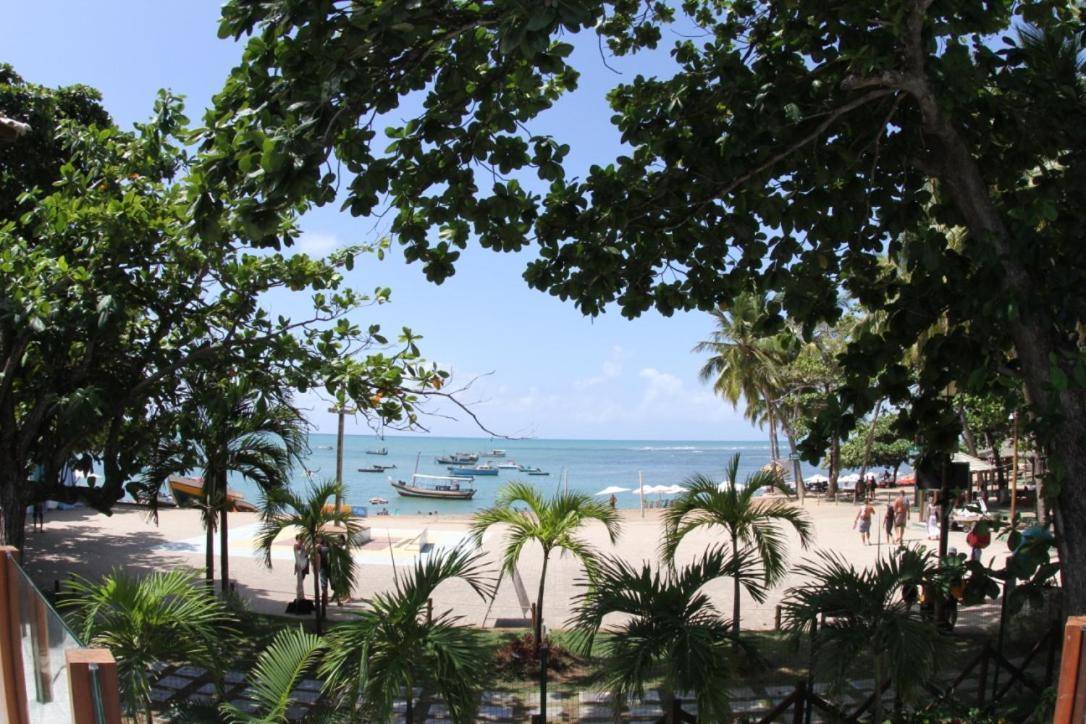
point(785, 147)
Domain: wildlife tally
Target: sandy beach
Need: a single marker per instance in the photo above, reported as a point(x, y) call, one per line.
point(87, 543)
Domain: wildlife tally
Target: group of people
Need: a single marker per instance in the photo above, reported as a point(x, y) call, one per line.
point(893, 520)
point(325, 555)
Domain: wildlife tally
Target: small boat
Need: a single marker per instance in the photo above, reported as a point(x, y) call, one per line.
point(471, 472)
point(378, 500)
point(508, 465)
point(459, 458)
point(495, 453)
point(378, 451)
point(190, 491)
point(372, 469)
point(537, 471)
point(441, 487)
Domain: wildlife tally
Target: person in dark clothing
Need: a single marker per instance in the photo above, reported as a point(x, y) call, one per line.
point(888, 521)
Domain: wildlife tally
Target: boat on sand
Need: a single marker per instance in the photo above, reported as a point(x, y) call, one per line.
point(189, 491)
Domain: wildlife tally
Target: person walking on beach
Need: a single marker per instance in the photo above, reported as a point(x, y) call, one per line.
point(614, 500)
point(863, 522)
point(301, 567)
point(324, 554)
point(901, 515)
point(888, 521)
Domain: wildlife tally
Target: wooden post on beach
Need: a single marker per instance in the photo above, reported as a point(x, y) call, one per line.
point(1071, 696)
point(342, 411)
point(1014, 472)
point(641, 490)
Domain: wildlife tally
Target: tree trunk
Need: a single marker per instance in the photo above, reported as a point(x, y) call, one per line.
point(967, 432)
point(539, 604)
point(209, 552)
point(1037, 342)
point(774, 447)
point(224, 552)
point(735, 603)
point(12, 505)
point(870, 440)
point(315, 558)
point(797, 469)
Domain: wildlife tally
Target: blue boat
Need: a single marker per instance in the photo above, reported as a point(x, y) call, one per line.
point(459, 459)
point(473, 471)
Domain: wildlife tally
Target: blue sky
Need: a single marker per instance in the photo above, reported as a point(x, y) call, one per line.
point(542, 368)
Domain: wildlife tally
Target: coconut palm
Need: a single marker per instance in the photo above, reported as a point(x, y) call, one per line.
point(872, 615)
point(670, 631)
point(277, 671)
point(744, 360)
point(160, 616)
point(227, 427)
point(397, 643)
point(553, 523)
point(313, 516)
point(755, 527)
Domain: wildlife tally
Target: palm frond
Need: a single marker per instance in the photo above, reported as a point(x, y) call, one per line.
point(277, 671)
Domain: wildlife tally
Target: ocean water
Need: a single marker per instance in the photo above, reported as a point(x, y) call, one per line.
point(585, 465)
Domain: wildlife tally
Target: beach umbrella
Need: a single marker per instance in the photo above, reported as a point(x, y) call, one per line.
point(612, 489)
point(817, 478)
point(647, 490)
point(852, 478)
point(672, 489)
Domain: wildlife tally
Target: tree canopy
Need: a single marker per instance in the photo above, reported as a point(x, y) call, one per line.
point(106, 298)
point(788, 145)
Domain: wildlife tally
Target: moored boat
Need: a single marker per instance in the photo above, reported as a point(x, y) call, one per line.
point(460, 458)
point(495, 453)
point(438, 487)
point(508, 465)
point(378, 451)
point(471, 472)
point(378, 500)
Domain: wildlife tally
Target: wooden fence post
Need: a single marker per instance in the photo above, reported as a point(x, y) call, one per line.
point(81, 662)
point(801, 703)
point(1071, 699)
point(13, 703)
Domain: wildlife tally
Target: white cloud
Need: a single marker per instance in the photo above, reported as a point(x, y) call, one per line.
point(315, 243)
point(610, 369)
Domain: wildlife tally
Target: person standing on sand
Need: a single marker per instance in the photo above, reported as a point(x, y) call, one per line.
point(934, 515)
point(613, 501)
point(301, 567)
point(863, 521)
point(901, 515)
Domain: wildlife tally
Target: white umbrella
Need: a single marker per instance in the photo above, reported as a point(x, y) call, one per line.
point(672, 489)
point(612, 489)
point(854, 477)
point(817, 478)
point(649, 489)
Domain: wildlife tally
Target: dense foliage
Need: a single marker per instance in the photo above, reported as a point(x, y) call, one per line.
point(785, 145)
point(106, 299)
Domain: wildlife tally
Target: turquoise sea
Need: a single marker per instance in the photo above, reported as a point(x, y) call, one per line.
point(585, 465)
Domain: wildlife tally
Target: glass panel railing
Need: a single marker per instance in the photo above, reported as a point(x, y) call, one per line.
point(44, 637)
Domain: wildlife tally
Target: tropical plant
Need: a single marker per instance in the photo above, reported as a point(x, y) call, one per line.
point(160, 616)
point(224, 427)
point(869, 612)
point(745, 358)
point(313, 517)
point(278, 669)
point(670, 631)
point(551, 522)
point(397, 643)
point(754, 526)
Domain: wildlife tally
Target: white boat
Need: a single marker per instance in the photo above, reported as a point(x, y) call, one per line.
point(378, 500)
point(508, 465)
point(445, 487)
point(495, 453)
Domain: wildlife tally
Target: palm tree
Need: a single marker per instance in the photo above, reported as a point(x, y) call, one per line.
point(396, 643)
point(315, 516)
point(159, 616)
point(278, 670)
point(230, 427)
point(743, 360)
point(553, 523)
point(670, 631)
point(755, 527)
point(871, 615)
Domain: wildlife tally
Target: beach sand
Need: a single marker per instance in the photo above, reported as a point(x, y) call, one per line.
point(89, 544)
